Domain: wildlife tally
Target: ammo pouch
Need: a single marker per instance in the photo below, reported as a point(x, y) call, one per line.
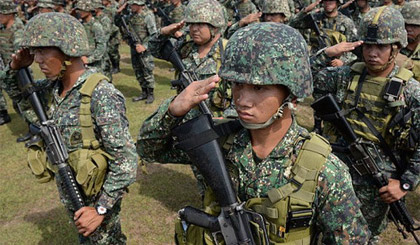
point(88, 163)
point(90, 168)
point(37, 162)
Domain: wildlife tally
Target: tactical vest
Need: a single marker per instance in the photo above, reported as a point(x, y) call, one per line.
point(372, 103)
point(6, 44)
point(138, 22)
point(333, 36)
point(288, 210)
point(88, 163)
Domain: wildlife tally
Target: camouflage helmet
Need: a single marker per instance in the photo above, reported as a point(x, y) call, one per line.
point(383, 25)
point(45, 4)
point(86, 5)
point(7, 7)
point(205, 11)
point(98, 4)
point(137, 2)
point(411, 13)
point(276, 7)
point(268, 53)
point(59, 2)
point(56, 30)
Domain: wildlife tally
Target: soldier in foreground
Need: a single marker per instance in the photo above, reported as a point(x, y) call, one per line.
point(382, 102)
point(264, 157)
point(95, 132)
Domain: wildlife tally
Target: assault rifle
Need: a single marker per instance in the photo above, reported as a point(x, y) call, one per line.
point(198, 138)
point(363, 153)
point(133, 39)
point(160, 12)
point(322, 38)
point(55, 148)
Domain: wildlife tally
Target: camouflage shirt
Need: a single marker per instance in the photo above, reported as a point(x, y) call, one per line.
point(177, 14)
point(413, 62)
point(10, 40)
point(97, 42)
point(336, 207)
point(246, 7)
point(144, 25)
point(336, 80)
point(110, 126)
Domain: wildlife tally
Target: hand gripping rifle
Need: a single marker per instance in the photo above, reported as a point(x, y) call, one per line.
point(198, 138)
point(363, 153)
point(133, 39)
point(55, 148)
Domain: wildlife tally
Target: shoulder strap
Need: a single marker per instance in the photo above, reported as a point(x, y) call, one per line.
point(85, 114)
point(358, 67)
point(404, 74)
point(311, 158)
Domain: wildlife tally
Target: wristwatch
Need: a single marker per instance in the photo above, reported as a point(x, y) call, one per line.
point(405, 186)
point(101, 210)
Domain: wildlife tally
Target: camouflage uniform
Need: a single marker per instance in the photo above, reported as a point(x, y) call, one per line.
point(411, 15)
point(115, 39)
point(277, 7)
point(336, 208)
point(144, 26)
point(341, 24)
point(9, 43)
point(337, 81)
point(246, 7)
point(45, 4)
point(96, 37)
point(107, 27)
point(177, 14)
point(108, 117)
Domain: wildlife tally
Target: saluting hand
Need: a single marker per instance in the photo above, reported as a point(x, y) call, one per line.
point(87, 220)
point(311, 6)
point(21, 59)
point(172, 28)
point(392, 192)
point(192, 95)
point(341, 48)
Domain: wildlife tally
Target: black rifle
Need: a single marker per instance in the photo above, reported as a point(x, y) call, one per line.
point(133, 39)
point(322, 38)
point(160, 12)
point(198, 138)
point(363, 153)
point(55, 148)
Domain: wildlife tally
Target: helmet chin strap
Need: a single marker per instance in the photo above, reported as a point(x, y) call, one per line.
point(279, 114)
point(63, 69)
point(391, 60)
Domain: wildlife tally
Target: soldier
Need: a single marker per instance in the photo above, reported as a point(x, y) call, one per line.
point(362, 7)
point(115, 38)
point(276, 11)
point(411, 14)
point(107, 27)
point(60, 6)
point(245, 7)
point(95, 33)
point(105, 127)
point(362, 90)
point(10, 35)
point(335, 25)
point(263, 156)
point(44, 6)
point(143, 23)
point(177, 14)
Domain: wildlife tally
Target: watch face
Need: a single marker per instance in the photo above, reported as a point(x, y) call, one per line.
point(406, 186)
point(101, 210)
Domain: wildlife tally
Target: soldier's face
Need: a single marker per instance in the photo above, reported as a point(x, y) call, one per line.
point(330, 5)
point(45, 10)
point(49, 60)
point(376, 55)
point(413, 33)
point(257, 103)
point(200, 33)
point(277, 18)
point(4, 18)
point(361, 3)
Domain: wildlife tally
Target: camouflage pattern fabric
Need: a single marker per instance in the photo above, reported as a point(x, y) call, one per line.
point(115, 38)
point(336, 207)
point(268, 67)
point(335, 81)
point(277, 7)
point(137, 2)
point(49, 29)
point(45, 4)
point(107, 27)
point(178, 13)
point(198, 12)
point(246, 7)
point(97, 43)
point(144, 26)
point(111, 129)
point(86, 5)
point(8, 7)
point(411, 13)
point(357, 18)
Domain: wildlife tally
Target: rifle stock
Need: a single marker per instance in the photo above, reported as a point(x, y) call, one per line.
point(328, 109)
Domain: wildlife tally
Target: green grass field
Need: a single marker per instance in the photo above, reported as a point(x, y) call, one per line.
point(30, 213)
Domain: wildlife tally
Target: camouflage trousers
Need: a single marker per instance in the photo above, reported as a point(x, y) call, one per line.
point(143, 66)
point(107, 67)
point(109, 232)
point(113, 48)
point(3, 104)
